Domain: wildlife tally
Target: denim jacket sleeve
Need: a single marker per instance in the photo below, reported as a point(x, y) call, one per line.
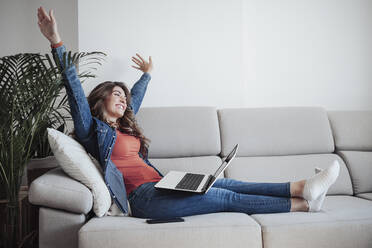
point(138, 91)
point(79, 106)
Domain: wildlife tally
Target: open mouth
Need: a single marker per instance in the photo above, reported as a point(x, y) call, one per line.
point(120, 107)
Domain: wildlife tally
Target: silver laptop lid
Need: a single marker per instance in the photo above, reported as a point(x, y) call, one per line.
point(225, 163)
point(226, 160)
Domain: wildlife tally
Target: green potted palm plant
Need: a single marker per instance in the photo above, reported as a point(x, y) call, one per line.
point(32, 98)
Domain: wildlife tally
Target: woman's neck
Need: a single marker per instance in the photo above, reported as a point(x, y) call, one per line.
point(112, 124)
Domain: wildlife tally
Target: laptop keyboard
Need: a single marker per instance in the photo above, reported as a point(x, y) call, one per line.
point(190, 181)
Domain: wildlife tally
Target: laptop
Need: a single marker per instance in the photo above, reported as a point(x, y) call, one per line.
point(190, 182)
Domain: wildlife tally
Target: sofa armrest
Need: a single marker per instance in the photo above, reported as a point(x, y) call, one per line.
point(55, 189)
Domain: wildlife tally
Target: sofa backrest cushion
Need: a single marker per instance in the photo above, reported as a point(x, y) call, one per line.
point(278, 169)
point(275, 131)
point(180, 131)
point(359, 164)
point(204, 164)
point(352, 130)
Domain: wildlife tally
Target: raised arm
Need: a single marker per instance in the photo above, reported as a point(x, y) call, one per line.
point(139, 88)
point(79, 106)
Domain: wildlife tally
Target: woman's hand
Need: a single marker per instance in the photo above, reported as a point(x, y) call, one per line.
point(143, 65)
point(48, 25)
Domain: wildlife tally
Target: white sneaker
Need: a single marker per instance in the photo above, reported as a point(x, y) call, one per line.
point(316, 205)
point(320, 183)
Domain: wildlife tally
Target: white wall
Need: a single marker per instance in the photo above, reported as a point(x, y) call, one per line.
point(196, 50)
point(308, 52)
point(224, 53)
point(237, 53)
point(20, 33)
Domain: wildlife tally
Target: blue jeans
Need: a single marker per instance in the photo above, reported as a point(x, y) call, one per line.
point(226, 195)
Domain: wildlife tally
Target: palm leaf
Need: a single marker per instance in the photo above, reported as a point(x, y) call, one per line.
point(32, 98)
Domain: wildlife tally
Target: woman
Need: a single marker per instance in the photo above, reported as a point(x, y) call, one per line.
point(105, 125)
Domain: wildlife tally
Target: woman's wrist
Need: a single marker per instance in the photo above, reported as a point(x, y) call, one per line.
point(55, 39)
point(56, 45)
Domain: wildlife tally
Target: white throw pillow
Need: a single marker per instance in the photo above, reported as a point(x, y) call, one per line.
point(76, 162)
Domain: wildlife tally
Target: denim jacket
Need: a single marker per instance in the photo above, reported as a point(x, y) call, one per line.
point(97, 137)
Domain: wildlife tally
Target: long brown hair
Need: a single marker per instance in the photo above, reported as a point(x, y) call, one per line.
point(127, 123)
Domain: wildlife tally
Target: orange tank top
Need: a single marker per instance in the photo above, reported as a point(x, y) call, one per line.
point(125, 156)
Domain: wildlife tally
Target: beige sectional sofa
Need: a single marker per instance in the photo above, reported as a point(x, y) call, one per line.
point(276, 145)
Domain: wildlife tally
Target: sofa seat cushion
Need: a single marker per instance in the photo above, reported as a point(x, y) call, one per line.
point(278, 169)
point(344, 221)
point(367, 196)
point(205, 164)
point(209, 230)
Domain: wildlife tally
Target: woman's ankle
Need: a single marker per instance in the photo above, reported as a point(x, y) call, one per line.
point(299, 205)
point(297, 188)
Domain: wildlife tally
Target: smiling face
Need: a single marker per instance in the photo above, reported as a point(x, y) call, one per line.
point(115, 104)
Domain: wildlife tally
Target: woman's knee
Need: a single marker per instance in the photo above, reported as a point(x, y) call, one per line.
point(221, 182)
point(225, 183)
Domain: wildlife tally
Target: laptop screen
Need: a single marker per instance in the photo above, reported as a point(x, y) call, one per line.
point(227, 160)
